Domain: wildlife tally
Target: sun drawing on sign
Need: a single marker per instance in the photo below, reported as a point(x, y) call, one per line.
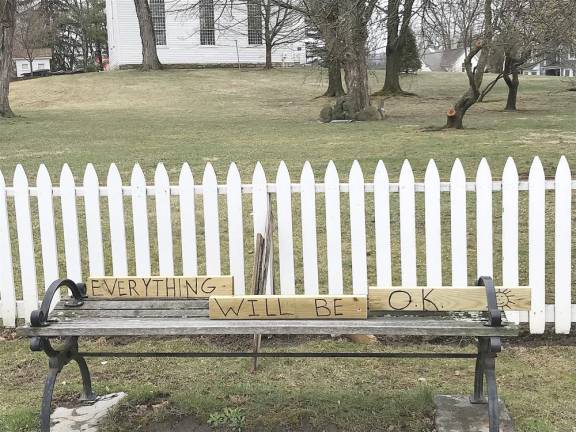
point(504, 299)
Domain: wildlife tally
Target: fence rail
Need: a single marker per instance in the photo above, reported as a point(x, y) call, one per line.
point(334, 218)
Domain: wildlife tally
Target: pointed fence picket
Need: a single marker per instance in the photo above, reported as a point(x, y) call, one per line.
point(140, 222)
point(536, 245)
point(358, 230)
point(93, 222)
point(563, 248)
point(211, 221)
point(484, 265)
point(187, 221)
point(260, 213)
point(382, 226)
point(407, 226)
point(235, 228)
point(338, 269)
point(333, 230)
point(70, 225)
point(309, 242)
point(8, 303)
point(510, 229)
point(163, 221)
point(433, 226)
point(458, 225)
point(25, 241)
point(285, 230)
point(117, 225)
point(47, 228)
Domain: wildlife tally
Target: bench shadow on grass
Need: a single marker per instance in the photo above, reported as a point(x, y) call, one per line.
point(273, 409)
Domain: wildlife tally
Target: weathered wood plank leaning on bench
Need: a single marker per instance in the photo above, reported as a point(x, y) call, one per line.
point(81, 316)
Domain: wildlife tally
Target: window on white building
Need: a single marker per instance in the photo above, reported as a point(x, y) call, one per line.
point(41, 66)
point(207, 34)
point(254, 22)
point(158, 12)
point(25, 66)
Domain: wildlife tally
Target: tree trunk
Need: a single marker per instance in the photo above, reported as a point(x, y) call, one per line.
point(356, 71)
point(475, 75)
point(268, 64)
point(397, 28)
point(513, 83)
point(392, 79)
point(149, 55)
point(335, 88)
point(7, 25)
point(455, 116)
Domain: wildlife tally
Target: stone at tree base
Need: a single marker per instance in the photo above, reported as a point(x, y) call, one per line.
point(338, 112)
point(84, 418)
point(369, 114)
point(457, 414)
point(326, 114)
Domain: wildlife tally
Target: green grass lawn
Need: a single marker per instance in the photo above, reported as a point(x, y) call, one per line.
point(537, 381)
point(223, 116)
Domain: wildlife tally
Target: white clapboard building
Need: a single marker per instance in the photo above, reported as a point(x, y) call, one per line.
point(205, 34)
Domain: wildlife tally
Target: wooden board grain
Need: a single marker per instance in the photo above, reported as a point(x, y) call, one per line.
point(184, 287)
point(288, 307)
point(446, 299)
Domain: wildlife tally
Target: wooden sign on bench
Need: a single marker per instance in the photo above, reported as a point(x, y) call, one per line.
point(447, 299)
point(258, 307)
point(183, 287)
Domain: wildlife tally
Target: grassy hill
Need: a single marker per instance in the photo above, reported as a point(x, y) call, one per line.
point(226, 115)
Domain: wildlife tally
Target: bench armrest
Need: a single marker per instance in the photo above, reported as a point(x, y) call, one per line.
point(494, 314)
point(39, 317)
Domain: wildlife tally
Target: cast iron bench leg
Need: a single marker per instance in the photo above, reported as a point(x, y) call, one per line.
point(493, 408)
point(56, 361)
point(486, 368)
point(47, 399)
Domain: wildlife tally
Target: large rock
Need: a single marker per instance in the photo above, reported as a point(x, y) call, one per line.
point(457, 414)
point(326, 114)
point(84, 418)
point(369, 114)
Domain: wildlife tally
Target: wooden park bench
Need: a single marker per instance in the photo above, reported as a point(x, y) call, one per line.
point(159, 306)
point(87, 316)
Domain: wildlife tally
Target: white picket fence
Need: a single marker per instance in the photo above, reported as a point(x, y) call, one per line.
point(201, 213)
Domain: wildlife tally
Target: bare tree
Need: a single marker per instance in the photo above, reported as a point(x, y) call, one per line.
point(530, 31)
point(399, 15)
point(33, 33)
point(150, 59)
point(282, 26)
point(344, 27)
point(447, 24)
point(7, 28)
point(318, 51)
point(475, 75)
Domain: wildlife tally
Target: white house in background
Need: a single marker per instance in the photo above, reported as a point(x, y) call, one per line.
point(41, 61)
point(556, 65)
point(205, 36)
point(451, 60)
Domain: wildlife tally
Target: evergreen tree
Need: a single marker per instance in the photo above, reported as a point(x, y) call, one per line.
point(409, 55)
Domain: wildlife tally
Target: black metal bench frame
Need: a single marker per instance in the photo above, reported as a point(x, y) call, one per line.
point(485, 371)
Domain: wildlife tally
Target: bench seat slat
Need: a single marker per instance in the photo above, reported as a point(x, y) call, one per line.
point(395, 325)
